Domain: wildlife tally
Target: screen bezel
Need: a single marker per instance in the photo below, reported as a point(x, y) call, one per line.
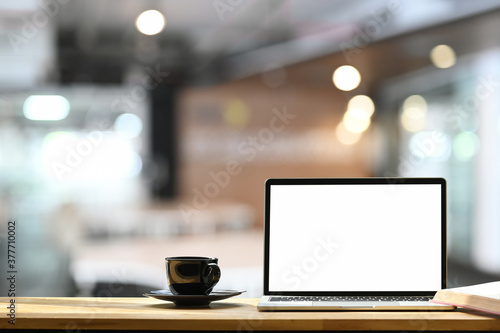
point(355, 181)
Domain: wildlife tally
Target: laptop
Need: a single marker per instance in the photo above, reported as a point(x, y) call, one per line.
point(354, 244)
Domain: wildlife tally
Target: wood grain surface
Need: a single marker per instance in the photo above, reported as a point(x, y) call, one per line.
point(237, 314)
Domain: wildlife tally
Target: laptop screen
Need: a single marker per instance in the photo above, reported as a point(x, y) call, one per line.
point(355, 235)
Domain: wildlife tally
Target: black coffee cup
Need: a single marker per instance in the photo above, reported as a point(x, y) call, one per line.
point(192, 275)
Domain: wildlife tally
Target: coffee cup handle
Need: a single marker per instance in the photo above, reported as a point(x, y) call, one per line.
point(211, 274)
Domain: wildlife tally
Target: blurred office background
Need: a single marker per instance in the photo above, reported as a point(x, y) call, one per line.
point(135, 130)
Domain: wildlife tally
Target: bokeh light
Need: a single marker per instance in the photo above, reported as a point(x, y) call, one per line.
point(346, 78)
point(416, 101)
point(443, 56)
point(362, 102)
point(435, 146)
point(345, 136)
point(414, 115)
point(236, 113)
point(46, 107)
point(356, 120)
point(465, 146)
point(150, 22)
point(80, 156)
point(128, 125)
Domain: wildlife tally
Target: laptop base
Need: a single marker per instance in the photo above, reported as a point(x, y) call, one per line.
point(266, 305)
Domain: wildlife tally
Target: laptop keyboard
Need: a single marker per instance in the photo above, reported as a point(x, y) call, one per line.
point(350, 298)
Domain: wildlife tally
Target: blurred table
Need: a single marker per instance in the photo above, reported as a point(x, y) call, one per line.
point(141, 260)
point(144, 314)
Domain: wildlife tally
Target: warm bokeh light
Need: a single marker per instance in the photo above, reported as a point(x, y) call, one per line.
point(356, 120)
point(415, 101)
point(346, 78)
point(413, 119)
point(150, 22)
point(443, 56)
point(362, 102)
point(345, 136)
point(414, 115)
point(236, 113)
point(46, 107)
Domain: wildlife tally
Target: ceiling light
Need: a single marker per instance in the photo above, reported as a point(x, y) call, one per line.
point(346, 78)
point(46, 107)
point(150, 22)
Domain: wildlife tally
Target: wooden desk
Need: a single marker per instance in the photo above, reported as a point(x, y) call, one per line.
point(237, 314)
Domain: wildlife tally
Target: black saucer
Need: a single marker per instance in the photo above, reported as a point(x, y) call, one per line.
point(193, 300)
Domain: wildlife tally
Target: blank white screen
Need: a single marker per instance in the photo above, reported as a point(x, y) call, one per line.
point(355, 237)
